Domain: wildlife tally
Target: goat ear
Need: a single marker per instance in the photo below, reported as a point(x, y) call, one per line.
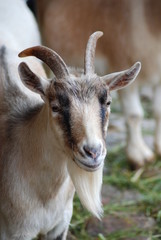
point(119, 80)
point(32, 81)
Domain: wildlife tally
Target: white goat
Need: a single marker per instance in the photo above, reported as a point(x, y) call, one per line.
point(53, 147)
point(131, 32)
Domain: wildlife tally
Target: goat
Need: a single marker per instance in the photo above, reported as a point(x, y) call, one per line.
point(53, 146)
point(131, 31)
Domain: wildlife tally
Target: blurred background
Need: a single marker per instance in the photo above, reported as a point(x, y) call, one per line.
point(131, 193)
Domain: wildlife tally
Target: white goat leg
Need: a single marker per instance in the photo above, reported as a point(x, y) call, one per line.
point(51, 234)
point(61, 230)
point(137, 151)
point(157, 114)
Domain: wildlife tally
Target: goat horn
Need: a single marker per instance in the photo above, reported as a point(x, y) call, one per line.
point(90, 52)
point(51, 58)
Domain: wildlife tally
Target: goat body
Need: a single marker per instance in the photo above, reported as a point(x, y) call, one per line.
point(131, 32)
point(52, 134)
point(22, 214)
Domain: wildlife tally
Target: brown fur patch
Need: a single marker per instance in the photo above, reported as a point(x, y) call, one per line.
point(153, 16)
point(131, 31)
point(78, 129)
point(90, 16)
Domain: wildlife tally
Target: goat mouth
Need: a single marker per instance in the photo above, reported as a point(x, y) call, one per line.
point(87, 167)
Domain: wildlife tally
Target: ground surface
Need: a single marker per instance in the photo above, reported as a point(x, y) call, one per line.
point(131, 199)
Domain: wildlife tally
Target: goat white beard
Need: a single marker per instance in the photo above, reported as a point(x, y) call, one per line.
point(88, 187)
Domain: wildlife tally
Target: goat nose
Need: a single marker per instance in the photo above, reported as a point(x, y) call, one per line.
point(92, 152)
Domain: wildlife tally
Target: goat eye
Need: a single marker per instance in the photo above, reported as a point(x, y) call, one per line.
point(108, 103)
point(55, 108)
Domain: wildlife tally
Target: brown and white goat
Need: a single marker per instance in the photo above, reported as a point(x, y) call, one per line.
point(131, 32)
point(54, 146)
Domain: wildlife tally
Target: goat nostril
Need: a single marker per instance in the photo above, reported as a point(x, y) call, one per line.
point(92, 152)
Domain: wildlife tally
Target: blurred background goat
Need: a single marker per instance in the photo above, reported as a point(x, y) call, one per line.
point(131, 32)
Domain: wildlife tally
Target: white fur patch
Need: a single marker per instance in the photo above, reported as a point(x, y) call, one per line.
point(88, 187)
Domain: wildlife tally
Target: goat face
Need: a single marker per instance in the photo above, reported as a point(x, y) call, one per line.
point(80, 106)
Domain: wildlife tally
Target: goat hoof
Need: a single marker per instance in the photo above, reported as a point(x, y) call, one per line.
point(158, 149)
point(139, 157)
